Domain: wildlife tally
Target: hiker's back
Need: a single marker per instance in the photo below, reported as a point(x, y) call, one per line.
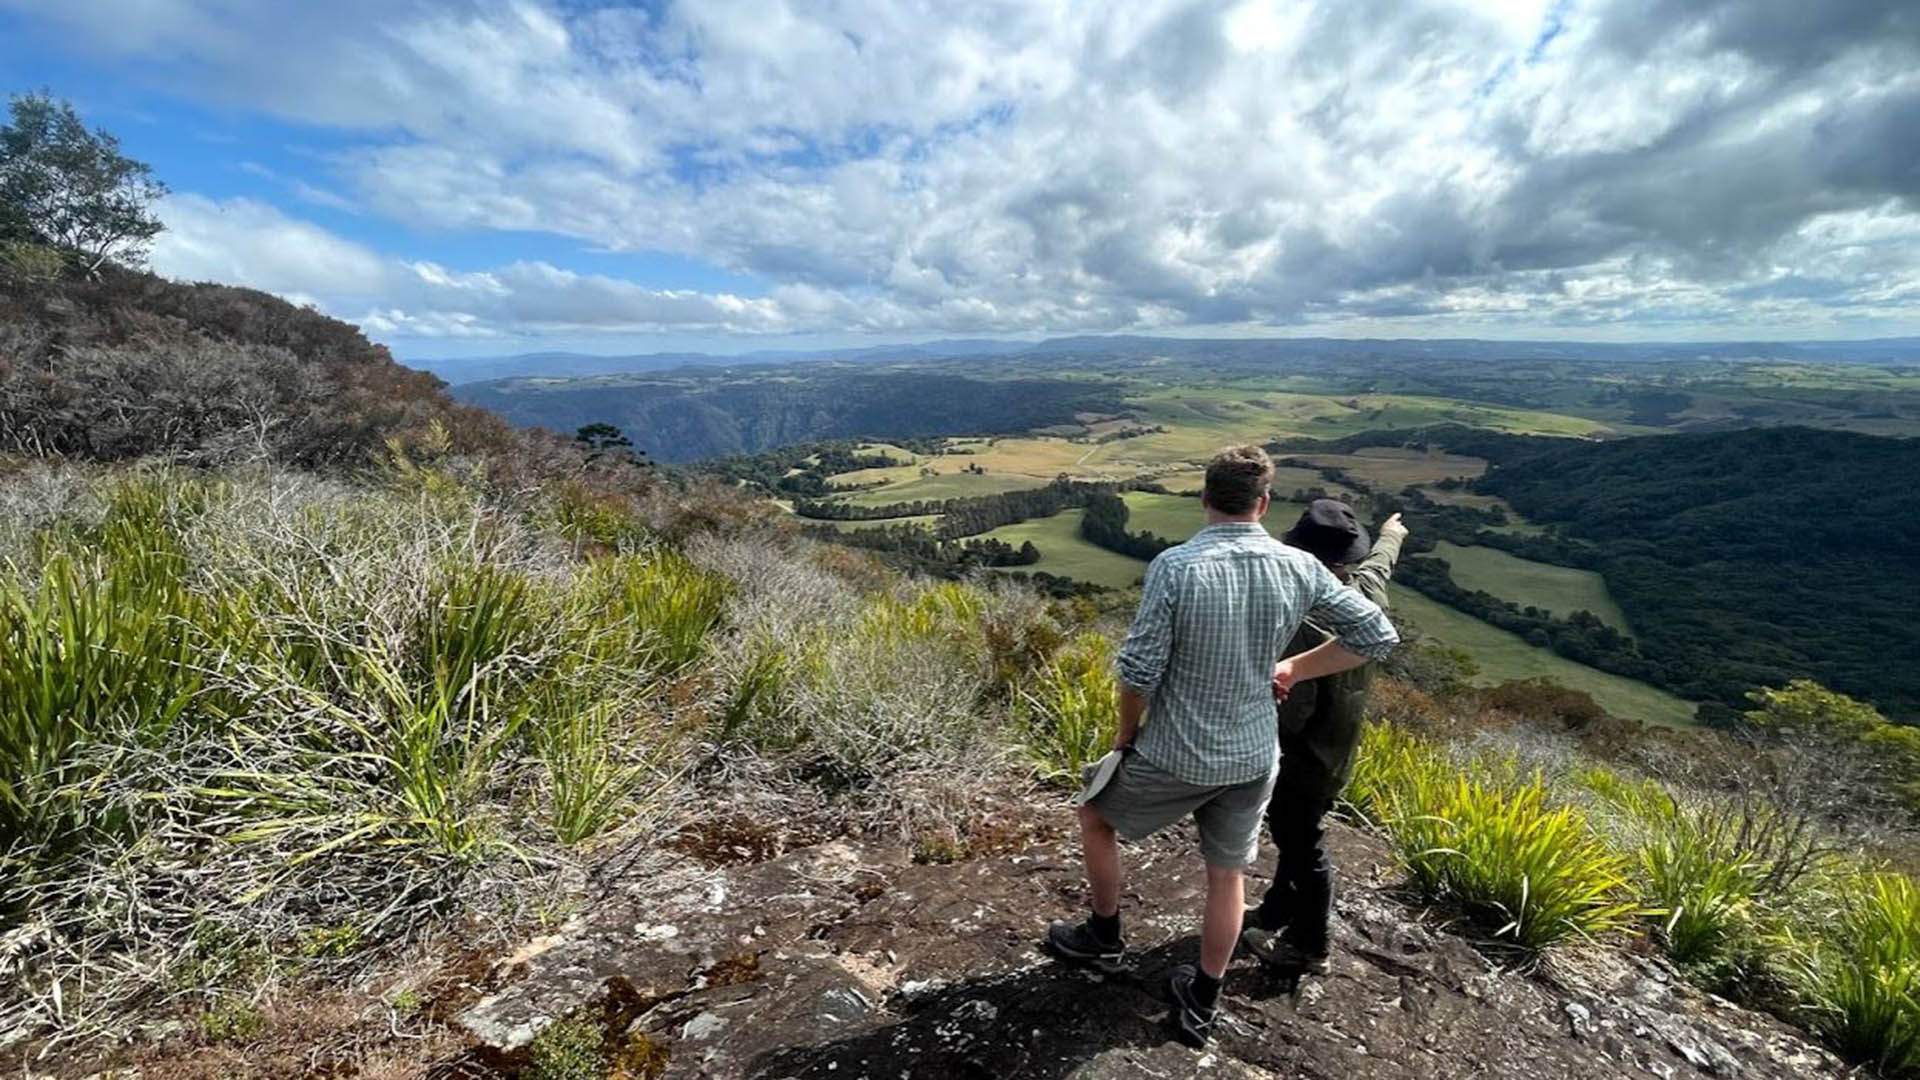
point(1236, 595)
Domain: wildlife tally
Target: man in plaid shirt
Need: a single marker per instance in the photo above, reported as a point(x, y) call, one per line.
point(1196, 733)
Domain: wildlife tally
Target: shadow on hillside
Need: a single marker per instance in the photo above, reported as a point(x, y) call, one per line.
point(1041, 1023)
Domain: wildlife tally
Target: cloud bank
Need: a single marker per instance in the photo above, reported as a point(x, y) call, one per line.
point(1662, 166)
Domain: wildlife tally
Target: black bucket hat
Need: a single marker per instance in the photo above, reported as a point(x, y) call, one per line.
point(1331, 532)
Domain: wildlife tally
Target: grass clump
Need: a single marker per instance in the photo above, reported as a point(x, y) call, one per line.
point(1069, 711)
point(1388, 760)
point(1858, 973)
point(232, 1022)
point(1532, 872)
point(567, 1049)
point(1477, 836)
point(591, 783)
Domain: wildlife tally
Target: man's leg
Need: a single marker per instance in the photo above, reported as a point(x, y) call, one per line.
point(1229, 841)
point(1281, 901)
point(1101, 848)
point(1220, 928)
point(1312, 875)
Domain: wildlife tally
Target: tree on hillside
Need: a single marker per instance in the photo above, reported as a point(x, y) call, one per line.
point(603, 440)
point(1844, 748)
point(71, 188)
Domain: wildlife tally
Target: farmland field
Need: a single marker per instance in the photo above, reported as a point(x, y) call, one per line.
point(953, 485)
point(1386, 469)
point(1062, 551)
point(1502, 656)
point(1177, 517)
point(1172, 431)
point(1559, 589)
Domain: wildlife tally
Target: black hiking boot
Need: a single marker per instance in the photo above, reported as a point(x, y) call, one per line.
point(1258, 917)
point(1078, 943)
point(1194, 1020)
point(1275, 950)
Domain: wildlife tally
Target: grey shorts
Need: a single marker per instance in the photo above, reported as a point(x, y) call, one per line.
point(1142, 798)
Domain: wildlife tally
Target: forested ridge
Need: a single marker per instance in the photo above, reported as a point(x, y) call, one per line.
point(694, 416)
point(1742, 558)
point(1745, 558)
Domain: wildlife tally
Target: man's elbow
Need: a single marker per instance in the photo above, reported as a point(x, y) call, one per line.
point(1372, 646)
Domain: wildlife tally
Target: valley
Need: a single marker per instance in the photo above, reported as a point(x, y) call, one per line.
point(1525, 587)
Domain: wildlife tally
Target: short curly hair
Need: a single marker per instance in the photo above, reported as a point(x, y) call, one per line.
point(1236, 478)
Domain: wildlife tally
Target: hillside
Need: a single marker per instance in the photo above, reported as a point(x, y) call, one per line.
point(1745, 557)
point(128, 365)
point(690, 416)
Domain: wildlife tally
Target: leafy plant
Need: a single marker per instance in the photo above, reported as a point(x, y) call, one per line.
point(1530, 871)
point(1070, 710)
point(1860, 976)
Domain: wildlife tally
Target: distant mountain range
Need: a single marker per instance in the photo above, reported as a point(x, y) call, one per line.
point(573, 365)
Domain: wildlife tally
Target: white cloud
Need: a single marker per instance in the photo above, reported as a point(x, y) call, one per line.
point(1010, 166)
point(251, 243)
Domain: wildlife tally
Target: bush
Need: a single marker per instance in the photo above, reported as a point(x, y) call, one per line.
point(1070, 711)
point(1489, 843)
point(25, 263)
point(1860, 978)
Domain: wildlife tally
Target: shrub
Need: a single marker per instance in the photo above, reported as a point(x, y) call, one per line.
point(1070, 711)
point(1859, 977)
point(1532, 872)
point(25, 263)
point(1544, 700)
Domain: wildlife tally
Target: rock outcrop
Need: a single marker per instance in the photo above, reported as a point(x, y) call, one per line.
point(846, 959)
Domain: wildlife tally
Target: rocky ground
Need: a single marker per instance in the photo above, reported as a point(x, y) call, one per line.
point(849, 959)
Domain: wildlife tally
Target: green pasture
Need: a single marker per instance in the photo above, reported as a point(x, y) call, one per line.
point(955, 485)
point(1062, 551)
point(1502, 656)
point(1561, 590)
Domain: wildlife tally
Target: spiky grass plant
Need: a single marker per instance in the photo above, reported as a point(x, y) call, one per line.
point(1533, 872)
point(664, 605)
point(1703, 894)
point(591, 783)
point(1389, 759)
point(1069, 711)
point(1492, 845)
point(1858, 972)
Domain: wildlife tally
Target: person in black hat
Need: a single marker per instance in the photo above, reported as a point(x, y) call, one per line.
point(1319, 729)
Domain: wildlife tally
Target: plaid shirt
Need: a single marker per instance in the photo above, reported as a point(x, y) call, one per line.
point(1215, 613)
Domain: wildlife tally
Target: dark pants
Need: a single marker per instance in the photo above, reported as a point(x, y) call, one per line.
point(1302, 892)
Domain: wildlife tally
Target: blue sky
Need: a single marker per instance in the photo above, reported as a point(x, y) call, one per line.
point(495, 176)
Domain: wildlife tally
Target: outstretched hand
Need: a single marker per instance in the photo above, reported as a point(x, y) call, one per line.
point(1393, 527)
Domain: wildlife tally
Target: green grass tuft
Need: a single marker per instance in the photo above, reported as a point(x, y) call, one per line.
point(1070, 709)
point(1860, 978)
